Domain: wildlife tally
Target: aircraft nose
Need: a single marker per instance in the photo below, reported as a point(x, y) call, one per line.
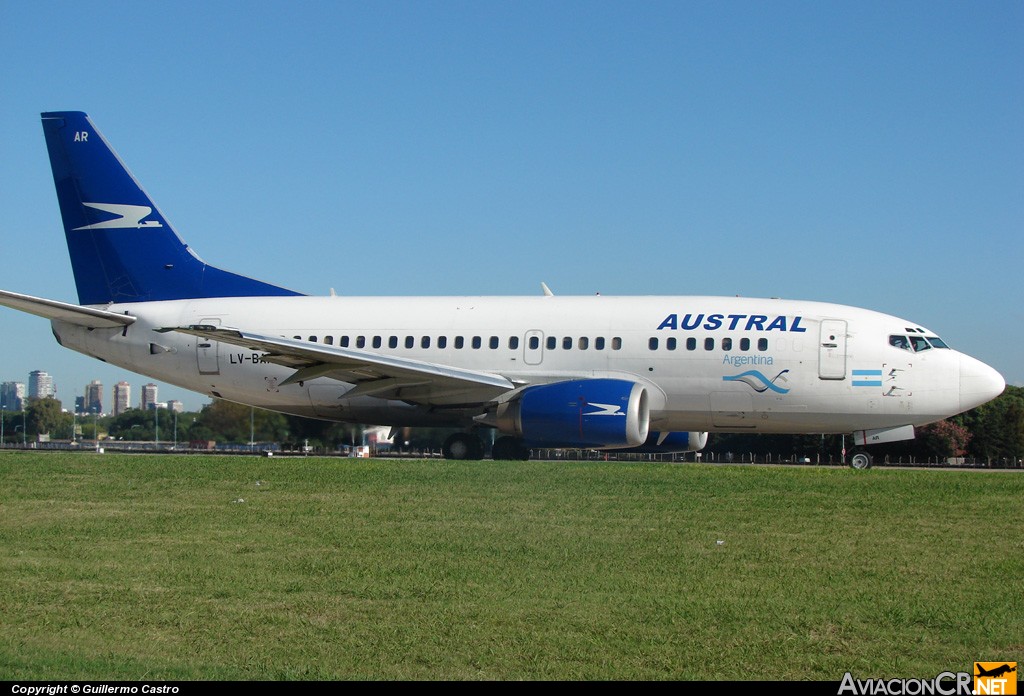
point(979, 383)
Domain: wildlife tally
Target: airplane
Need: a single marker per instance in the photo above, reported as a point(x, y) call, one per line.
point(643, 373)
point(994, 672)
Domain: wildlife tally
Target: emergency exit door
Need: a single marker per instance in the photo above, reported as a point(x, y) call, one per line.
point(832, 349)
point(207, 351)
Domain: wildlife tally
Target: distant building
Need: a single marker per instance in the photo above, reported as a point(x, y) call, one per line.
point(122, 397)
point(80, 405)
point(40, 385)
point(148, 402)
point(93, 397)
point(12, 395)
point(175, 406)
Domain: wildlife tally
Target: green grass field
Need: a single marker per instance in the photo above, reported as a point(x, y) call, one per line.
point(153, 567)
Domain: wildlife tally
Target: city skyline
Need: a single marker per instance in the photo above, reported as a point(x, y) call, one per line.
point(14, 395)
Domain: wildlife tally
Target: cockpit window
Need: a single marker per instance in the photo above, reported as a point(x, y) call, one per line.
point(899, 342)
point(919, 343)
point(916, 344)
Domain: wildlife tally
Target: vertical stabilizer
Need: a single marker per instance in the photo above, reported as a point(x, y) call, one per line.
point(122, 248)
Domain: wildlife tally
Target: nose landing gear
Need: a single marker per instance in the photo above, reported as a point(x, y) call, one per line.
point(860, 460)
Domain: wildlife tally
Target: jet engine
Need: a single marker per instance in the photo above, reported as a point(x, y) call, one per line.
point(600, 413)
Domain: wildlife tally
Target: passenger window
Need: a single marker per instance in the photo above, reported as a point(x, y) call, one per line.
point(360, 341)
point(392, 341)
point(477, 342)
point(329, 340)
point(583, 343)
point(566, 343)
point(425, 342)
point(312, 339)
point(762, 344)
point(343, 342)
point(513, 343)
point(616, 343)
point(297, 338)
point(376, 342)
point(709, 344)
point(726, 344)
point(552, 342)
point(410, 341)
point(442, 341)
point(534, 342)
point(652, 344)
point(744, 344)
point(670, 343)
point(691, 343)
point(493, 343)
point(459, 342)
point(599, 343)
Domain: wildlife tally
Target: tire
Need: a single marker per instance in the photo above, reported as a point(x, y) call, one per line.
point(860, 460)
point(509, 449)
point(463, 446)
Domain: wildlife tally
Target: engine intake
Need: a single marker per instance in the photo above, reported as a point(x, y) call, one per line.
point(606, 413)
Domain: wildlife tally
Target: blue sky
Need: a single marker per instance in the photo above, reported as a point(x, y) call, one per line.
point(864, 153)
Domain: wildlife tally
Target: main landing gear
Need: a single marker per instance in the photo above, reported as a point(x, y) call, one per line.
point(463, 446)
point(510, 448)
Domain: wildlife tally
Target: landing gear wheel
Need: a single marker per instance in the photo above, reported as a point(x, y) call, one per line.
point(860, 460)
point(463, 446)
point(510, 448)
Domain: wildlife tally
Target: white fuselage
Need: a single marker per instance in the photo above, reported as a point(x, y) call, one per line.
point(710, 363)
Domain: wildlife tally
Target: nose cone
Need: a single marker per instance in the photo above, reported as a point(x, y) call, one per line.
point(979, 383)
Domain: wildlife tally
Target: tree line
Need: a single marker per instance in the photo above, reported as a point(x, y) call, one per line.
point(994, 431)
point(220, 421)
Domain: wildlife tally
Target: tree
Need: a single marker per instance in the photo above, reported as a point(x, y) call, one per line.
point(43, 416)
point(998, 426)
point(226, 421)
point(133, 424)
point(943, 439)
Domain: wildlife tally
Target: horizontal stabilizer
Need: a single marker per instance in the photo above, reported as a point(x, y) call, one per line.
point(64, 311)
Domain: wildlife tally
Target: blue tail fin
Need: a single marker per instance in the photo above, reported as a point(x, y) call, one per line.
point(122, 248)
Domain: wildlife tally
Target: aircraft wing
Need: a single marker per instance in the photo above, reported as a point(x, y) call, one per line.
point(374, 374)
point(65, 311)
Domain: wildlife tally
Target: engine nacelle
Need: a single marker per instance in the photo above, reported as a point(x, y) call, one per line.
point(607, 413)
point(672, 443)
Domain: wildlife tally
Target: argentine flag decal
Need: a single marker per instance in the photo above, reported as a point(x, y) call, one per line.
point(867, 378)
